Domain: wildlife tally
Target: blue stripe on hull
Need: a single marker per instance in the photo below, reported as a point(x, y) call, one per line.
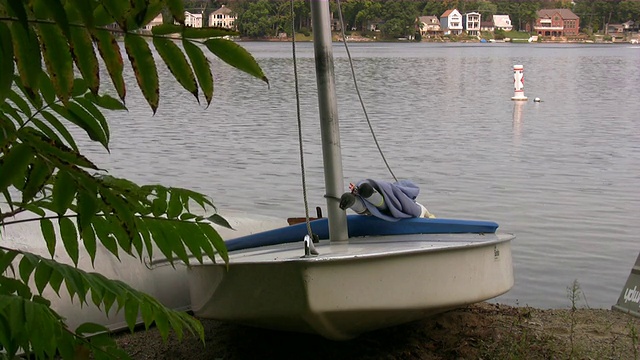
point(363, 226)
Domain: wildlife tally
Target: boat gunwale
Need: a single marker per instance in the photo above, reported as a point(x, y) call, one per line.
point(333, 257)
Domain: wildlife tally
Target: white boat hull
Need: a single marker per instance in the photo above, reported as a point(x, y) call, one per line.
point(155, 277)
point(367, 284)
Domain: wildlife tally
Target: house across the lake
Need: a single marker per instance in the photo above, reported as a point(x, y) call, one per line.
point(471, 23)
point(487, 26)
point(502, 22)
point(451, 22)
point(193, 20)
point(556, 22)
point(429, 26)
point(223, 17)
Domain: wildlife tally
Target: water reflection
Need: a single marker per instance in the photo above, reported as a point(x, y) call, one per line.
point(517, 121)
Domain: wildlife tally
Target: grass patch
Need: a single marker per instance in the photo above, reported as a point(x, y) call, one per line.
point(518, 35)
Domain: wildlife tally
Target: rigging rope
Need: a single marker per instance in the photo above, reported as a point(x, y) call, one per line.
point(299, 117)
point(355, 83)
point(301, 148)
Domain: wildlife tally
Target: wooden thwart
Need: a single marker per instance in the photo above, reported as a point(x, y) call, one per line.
point(298, 220)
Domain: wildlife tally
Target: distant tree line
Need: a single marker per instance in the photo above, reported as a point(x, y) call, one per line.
point(397, 18)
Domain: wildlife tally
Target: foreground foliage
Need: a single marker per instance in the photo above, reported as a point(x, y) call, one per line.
point(50, 83)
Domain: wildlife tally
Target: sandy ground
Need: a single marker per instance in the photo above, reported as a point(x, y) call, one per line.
point(481, 331)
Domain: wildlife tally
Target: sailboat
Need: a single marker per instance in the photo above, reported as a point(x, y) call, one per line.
point(364, 273)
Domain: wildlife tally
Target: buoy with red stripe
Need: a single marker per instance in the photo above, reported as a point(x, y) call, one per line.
point(518, 83)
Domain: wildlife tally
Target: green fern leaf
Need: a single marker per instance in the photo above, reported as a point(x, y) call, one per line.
point(6, 61)
point(236, 56)
point(95, 113)
point(216, 240)
point(89, 241)
point(41, 277)
point(106, 102)
point(175, 205)
point(144, 68)
point(177, 64)
point(26, 49)
point(193, 243)
point(39, 173)
point(201, 68)
point(13, 164)
point(6, 260)
point(131, 308)
point(85, 57)
point(57, 58)
point(61, 129)
point(166, 29)
point(69, 238)
point(54, 10)
point(118, 10)
point(110, 53)
point(84, 9)
point(90, 329)
point(20, 103)
point(78, 116)
point(45, 129)
point(54, 151)
point(64, 190)
point(103, 233)
point(177, 10)
point(49, 234)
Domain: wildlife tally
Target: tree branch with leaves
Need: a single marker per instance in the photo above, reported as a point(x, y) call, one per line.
point(50, 84)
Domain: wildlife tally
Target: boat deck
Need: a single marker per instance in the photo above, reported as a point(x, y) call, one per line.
point(370, 246)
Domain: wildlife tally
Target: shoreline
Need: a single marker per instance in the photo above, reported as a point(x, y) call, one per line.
point(587, 42)
point(336, 37)
point(483, 330)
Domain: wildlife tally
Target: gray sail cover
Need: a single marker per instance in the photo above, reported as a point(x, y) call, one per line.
point(400, 198)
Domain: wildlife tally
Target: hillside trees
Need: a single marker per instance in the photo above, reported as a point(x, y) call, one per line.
point(629, 10)
point(399, 18)
point(51, 88)
point(362, 15)
point(255, 20)
point(269, 18)
point(487, 9)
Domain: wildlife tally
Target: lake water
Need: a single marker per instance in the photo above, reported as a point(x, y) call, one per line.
point(562, 174)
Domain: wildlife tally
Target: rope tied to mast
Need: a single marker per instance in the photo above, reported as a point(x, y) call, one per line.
point(299, 119)
point(355, 84)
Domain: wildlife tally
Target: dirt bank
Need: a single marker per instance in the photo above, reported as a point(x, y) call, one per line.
point(481, 331)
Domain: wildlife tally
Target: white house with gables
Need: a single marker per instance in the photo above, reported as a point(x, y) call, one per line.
point(502, 22)
point(451, 22)
point(224, 18)
point(193, 20)
point(471, 22)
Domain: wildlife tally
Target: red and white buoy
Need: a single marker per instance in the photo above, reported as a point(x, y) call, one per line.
point(518, 83)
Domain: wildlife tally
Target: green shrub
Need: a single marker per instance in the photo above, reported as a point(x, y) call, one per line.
point(304, 31)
